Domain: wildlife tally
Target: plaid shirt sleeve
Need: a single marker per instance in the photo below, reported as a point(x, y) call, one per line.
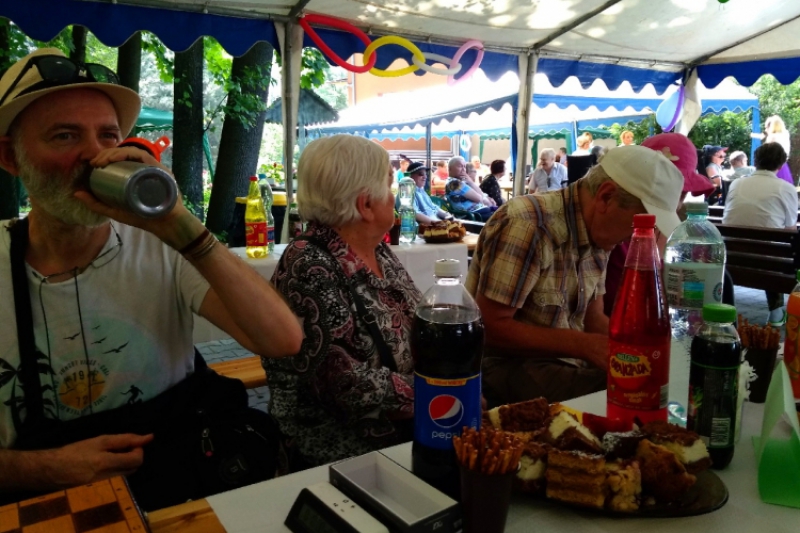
point(512, 261)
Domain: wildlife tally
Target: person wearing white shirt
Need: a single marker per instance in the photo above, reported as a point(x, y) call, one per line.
point(739, 166)
point(548, 175)
point(765, 201)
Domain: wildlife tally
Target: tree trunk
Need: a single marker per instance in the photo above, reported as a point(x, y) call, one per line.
point(187, 152)
point(239, 144)
point(129, 62)
point(78, 52)
point(9, 192)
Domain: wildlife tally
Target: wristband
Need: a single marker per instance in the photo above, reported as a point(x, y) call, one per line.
point(195, 243)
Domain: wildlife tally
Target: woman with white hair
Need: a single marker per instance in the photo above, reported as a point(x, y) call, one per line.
point(776, 132)
point(350, 388)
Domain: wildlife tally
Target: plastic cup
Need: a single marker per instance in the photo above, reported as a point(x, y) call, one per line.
point(763, 363)
point(485, 500)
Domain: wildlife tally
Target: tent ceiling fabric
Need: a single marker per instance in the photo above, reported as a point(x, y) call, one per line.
point(642, 41)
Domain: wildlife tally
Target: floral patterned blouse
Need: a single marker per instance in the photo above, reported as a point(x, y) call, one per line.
point(334, 398)
point(490, 186)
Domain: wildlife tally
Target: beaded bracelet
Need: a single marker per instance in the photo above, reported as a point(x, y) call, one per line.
point(199, 247)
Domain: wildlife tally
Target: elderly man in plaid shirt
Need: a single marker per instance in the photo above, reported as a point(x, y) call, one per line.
point(538, 275)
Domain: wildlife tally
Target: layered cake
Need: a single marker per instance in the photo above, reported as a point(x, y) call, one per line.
point(686, 445)
point(524, 416)
point(576, 477)
point(621, 445)
point(443, 229)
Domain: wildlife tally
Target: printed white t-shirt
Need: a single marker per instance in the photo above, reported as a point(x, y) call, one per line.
point(117, 333)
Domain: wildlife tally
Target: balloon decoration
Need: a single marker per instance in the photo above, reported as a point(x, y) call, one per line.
point(418, 57)
point(670, 110)
point(465, 143)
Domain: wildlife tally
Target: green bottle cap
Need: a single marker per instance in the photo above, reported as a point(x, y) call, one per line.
point(722, 313)
point(696, 208)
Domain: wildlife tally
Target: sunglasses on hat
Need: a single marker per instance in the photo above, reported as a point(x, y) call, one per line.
point(57, 70)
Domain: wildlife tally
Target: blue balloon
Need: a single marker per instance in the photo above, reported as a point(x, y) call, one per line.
point(670, 110)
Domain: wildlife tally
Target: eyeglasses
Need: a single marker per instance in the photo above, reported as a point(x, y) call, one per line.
point(101, 260)
point(719, 155)
point(57, 70)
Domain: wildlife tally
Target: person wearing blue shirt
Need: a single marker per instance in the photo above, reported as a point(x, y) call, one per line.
point(427, 211)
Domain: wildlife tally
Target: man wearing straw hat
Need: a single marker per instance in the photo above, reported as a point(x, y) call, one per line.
point(112, 295)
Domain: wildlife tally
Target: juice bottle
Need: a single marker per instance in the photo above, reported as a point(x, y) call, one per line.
point(255, 222)
point(791, 350)
point(639, 334)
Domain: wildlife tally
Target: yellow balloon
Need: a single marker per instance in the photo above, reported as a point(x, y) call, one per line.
point(399, 41)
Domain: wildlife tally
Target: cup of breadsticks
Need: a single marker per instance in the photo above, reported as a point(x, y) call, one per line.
point(760, 346)
point(488, 460)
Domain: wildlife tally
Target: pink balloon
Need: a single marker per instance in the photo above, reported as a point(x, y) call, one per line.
point(472, 43)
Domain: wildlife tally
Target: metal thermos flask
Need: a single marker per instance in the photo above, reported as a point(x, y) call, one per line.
point(145, 190)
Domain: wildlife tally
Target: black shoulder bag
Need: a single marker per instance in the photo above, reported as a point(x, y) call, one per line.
point(206, 439)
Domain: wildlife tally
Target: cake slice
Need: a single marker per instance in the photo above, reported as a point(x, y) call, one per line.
point(686, 445)
point(531, 415)
point(663, 475)
point(566, 433)
point(532, 466)
point(621, 445)
point(577, 478)
point(624, 480)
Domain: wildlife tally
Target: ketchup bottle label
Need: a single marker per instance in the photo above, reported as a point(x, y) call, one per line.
point(638, 375)
point(255, 233)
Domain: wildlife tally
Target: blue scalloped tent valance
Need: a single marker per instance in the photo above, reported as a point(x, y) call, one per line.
point(747, 73)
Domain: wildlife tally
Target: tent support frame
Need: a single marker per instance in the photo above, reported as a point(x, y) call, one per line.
point(527, 63)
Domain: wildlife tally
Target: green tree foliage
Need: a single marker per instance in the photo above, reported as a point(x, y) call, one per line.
point(727, 129)
point(777, 99)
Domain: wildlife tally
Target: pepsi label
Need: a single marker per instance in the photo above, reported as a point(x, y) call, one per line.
point(442, 407)
point(271, 234)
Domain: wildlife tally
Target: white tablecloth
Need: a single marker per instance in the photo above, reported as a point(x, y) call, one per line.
point(262, 508)
point(418, 259)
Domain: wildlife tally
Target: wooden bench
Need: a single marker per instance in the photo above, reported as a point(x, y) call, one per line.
point(246, 369)
point(762, 258)
point(715, 213)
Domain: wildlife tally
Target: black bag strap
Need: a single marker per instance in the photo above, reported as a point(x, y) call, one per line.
point(384, 351)
point(29, 372)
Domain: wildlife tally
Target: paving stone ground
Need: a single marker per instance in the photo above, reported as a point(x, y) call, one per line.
point(751, 303)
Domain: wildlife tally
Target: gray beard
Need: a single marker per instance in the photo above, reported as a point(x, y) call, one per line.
point(54, 194)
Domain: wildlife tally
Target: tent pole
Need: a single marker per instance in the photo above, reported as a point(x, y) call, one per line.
point(755, 137)
point(527, 64)
point(291, 42)
point(692, 106)
point(428, 146)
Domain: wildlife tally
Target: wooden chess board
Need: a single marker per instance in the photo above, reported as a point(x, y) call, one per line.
point(103, 507)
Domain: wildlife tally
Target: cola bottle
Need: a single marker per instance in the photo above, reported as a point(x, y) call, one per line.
point(447, 346)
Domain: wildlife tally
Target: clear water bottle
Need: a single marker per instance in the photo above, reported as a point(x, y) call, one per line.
point(266, 196)
point(408, 225)
point(694, 263)
point(447, 347)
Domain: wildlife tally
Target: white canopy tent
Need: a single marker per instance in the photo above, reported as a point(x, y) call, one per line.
point(641, 41)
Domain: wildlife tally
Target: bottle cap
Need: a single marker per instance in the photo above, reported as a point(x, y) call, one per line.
point(696, 208)
point(644, 221)
point(722, 313)
point(253, 178)
point(154, 148)
point(447, 268)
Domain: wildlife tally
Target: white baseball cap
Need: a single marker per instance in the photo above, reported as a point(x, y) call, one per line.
point(649, 176)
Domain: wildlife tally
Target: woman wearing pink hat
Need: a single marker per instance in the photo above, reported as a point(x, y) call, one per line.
point(680, 150)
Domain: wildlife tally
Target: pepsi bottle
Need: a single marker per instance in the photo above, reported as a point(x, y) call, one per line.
point(447, 346)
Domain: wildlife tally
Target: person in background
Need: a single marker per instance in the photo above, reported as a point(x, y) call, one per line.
point(490, 185)
point(739, 166)
point(426, 210)
point(714, 157)
point(472, 174)
point(113, 294)
point(680, 150)
point(441, 170)
point(462, 196)
point(626, 138)
point(538, 275)
point(548, 175)
point(776, 132)
point(584, 144)
point(763, 200)
point(401, 172)
point(481, 169)
point(561, 156)
point(340, 396)
point(598, 152)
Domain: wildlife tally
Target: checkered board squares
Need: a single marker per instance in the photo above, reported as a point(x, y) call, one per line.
point(102, 507)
